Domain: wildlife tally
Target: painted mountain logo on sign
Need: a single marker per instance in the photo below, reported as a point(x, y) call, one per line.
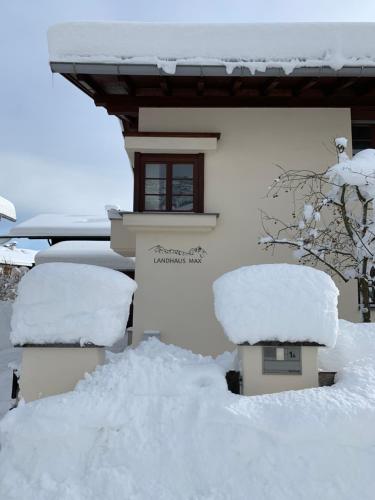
point(176, 256)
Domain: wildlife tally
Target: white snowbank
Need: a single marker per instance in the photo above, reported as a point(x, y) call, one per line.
point(354, 342)
point(10, 254)
point(7, 209)
point(157, 422)
point(71, 303)
point(253, 46)
point(358, 171)
point(280, 302)
point(49, 225)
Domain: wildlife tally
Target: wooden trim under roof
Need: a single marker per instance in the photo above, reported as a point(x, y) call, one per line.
point(124, 95)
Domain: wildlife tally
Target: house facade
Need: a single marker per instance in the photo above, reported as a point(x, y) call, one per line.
point(204, 142)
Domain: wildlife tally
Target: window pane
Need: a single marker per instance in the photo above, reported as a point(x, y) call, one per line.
point(183, 171)
point(182, 186)
point(182, 203)
point(156, 170)
point(154, 202)
point(155, 186)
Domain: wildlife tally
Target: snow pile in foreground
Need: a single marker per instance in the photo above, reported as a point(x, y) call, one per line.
point(280, 302)
point(255, 46)
point(157, 422)
point(71, 303)
point(354, 342)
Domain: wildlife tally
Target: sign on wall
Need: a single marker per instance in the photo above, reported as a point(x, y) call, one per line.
point(164, 255)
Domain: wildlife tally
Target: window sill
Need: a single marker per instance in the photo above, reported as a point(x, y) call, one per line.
point(167, 221)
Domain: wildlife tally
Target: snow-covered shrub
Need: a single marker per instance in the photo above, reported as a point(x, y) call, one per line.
point(10, 276)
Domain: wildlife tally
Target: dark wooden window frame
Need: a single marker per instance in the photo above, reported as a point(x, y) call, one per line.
point(140, 160)
point(365, 124)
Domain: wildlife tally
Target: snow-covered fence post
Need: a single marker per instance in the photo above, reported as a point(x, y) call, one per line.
point(332, 219)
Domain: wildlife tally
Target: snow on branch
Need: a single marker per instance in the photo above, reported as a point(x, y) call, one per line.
point(332, 222)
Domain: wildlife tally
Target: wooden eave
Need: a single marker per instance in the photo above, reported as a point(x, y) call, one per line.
point(123, 95)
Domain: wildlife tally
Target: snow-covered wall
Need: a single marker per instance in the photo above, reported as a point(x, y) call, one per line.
point(254, 46)
point(277, 302)
point(71, 303)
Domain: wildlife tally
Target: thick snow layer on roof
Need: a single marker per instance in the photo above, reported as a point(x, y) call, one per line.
point(277, 302)
point(254, 46)
point(98, 253)
point(7, 209)
point(10, 254)
point(71, 303)
point(357, 171)
point(49, 225)
point(158, 422)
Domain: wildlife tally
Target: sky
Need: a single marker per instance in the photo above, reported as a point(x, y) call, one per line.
point(58, 152)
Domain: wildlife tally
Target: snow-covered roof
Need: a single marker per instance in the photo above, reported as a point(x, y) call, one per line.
point(256, 47)
point(63, 225)
point(97, 253)
point(10, 254)
point(277, 302)
point(7, 209)
point(71, 303)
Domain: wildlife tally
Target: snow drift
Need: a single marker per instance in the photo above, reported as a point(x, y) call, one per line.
point(282, 302)
point(71, 303)
point(157, 422)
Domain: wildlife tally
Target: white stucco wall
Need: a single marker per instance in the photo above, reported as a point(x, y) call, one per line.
point(46, 371)
point(177, 298)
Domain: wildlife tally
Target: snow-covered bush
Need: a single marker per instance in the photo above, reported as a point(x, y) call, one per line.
point(10, 276)
point(71, 303)
point(333, 221)
point(279, 302)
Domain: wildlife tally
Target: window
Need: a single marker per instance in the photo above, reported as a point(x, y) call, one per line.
point(363, 136)
point(168, 183)
point(282, 360)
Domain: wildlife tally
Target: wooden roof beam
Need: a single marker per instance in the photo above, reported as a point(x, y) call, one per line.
point(126, 84)
point(236, 86)
point(200, 86)
point(267, 89)
point(88, 82)
point(165, 86)
point(305, 86)
point(118, 105)
point(342, 84)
